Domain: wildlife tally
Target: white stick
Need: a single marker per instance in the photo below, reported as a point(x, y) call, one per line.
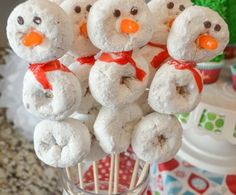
point(95, 175)
point(69, 174)
point(134, 175)
point(111, 174)
point(143, 173)
point(81, 183)
point(116, 174)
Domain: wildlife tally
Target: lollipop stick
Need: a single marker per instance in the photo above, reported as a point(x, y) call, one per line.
point(143, 173)
point(111, 174)
point(69, 174)
point(95, 175)
point(116, 175)
point(134, 175)
point(81, 183)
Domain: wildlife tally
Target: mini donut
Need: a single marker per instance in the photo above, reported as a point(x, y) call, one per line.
point(114, 85)
point(157, 138)
point(61, 144)
point(55, 99)
point(78, 11)
point(96, 152)
point(82, 72)
point(113, 128)
point(175, 91)
point(115, 26)
point(203, 35)
point(39, 31)
point(164, 12)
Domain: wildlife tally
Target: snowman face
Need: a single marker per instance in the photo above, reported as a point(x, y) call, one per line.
point(39, 31)
point(198, 34)
point(78, 11)
point(119, 25)
point(164, 13)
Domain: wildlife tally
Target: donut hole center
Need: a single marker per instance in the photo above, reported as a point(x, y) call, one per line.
point(160, 140)
point(48, 94)
point(182, 90)
point(124, 80)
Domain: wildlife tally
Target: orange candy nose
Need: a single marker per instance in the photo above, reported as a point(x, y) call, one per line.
point(207, 42)
point(129, 26)
point(32, 39)
point(170, 22)
point(83, 30)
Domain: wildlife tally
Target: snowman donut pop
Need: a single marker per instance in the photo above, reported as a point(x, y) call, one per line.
point(119, 77)
point(50, 90)
point(155, 52)
point(82, 48)
point(164, 12)
point(177, 85)
point(41, 34)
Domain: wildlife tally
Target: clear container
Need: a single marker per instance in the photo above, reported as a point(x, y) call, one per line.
point(127, 161)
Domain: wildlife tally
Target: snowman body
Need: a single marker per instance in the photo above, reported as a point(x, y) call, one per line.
point(115, 85)
point(55, 103)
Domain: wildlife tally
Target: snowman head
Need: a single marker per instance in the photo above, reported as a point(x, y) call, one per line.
point(78, 11)
point(119, 25)
point(39, 31)
point(164, 13)
point(198, 34)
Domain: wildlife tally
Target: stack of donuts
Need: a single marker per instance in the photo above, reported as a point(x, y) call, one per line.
point(106, 75)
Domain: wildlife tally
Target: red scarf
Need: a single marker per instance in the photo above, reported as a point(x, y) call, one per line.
point(123, 58)
point(90, 60)
point(189, 66)
point(161, 57)
point(40, 70)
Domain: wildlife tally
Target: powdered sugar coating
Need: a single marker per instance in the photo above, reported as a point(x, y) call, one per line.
point(51, 22)
point(104, 27)
point(114, 85)
point(61, 144)
point(173, 91)
point(55, 104)
point(157, 138)
point(113, 128)
point(78, 11)
point(182, 44)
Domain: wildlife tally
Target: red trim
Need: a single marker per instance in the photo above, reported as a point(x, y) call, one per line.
point(123, 58)
point(191, 67)
point(40, 70)
point(90, 60)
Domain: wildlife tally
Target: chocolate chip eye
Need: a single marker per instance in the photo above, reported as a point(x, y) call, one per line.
point(20, 20)
point(217, 28)
point(170, 5)
point(116, 13)
point(134, 10)
point(37, 20)
point(88, 7)
point(77, 9)
point(207, 24)
point(181, 7)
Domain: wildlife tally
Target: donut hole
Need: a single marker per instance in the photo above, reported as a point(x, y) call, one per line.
point(182, 90)
point(124, 80)
point(159, 140)
point(48, 94)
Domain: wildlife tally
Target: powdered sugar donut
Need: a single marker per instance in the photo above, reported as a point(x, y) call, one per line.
point(78, 11)
point(157, 138)
point(115, 26)
point(116, 85)
point(61, 144)
point(164, 12)
point(96, 152)
point(113, 128)
point(203, 35)
point(175, 90)
point(52, 95)
point(39, 31)
point(88, 102)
